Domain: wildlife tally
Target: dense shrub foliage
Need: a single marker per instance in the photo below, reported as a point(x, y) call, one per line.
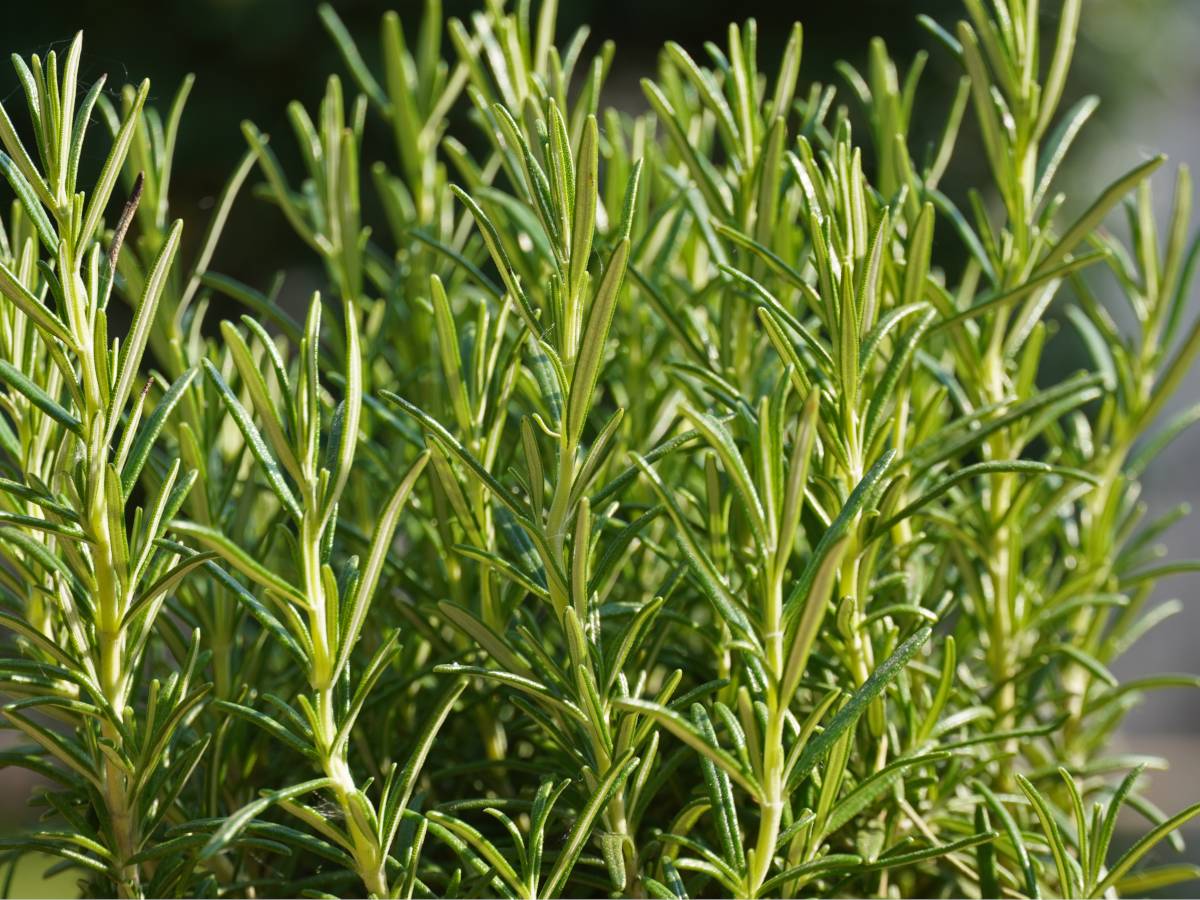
point(667, 504)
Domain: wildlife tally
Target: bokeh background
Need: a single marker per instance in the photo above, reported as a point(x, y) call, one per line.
point(251, 57)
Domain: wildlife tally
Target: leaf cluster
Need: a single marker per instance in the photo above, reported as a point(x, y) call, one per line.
point(672, 504)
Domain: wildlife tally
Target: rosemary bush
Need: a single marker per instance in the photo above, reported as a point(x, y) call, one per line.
point(672, 504)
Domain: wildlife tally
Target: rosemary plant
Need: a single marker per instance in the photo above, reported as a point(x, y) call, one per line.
point(664, 504)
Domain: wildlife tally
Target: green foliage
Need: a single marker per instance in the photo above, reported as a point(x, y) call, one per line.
point(670, 504)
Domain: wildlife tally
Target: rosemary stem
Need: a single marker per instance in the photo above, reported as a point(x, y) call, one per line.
point(771, 807)
point(1001, 614)
point(116, 798)
point(369, 858)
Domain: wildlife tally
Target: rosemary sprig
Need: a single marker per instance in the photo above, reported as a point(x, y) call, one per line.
point(668, 504)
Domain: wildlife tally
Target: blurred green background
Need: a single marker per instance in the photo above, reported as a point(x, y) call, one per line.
point(251, 57)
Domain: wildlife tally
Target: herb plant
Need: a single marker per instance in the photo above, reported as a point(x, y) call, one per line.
point(665, 504)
